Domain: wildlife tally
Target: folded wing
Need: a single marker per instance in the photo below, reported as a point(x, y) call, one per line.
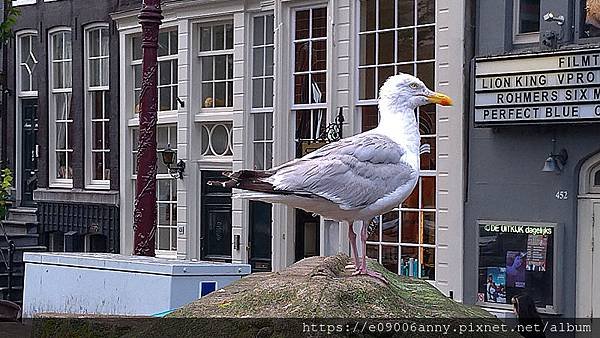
point(354, 172)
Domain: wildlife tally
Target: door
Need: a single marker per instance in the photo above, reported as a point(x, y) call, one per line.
point(260, 236)
point(29, 151)
point(215, 238)
point(587, 279)
point(307, 235)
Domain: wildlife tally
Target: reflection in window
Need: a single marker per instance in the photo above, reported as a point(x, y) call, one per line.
point(262, 91)
point(528, 16)
point(167, 70)
point(166, 187)
point(310, 124)
point(591, 18)
point(60, 104)
point(404, 239)
point(310, 56)
point(216, 63)
point(97, 74)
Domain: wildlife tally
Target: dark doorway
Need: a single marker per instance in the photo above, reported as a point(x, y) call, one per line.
point(307, 235)
point(215, 240)
point(260, 236)
point(29, 151)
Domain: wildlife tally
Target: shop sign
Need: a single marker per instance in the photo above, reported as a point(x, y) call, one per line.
point(547, 88)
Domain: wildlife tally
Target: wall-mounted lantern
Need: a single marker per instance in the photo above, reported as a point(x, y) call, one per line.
point(168, 157)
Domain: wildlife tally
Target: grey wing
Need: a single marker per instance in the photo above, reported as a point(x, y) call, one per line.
point(353, 172)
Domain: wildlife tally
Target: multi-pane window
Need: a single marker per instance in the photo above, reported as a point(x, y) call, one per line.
point(262, 91)
point(97, 115)
point(60, 108)
point(394, 37)
point(387, 36)
point(310, 56)
point(216, 62)
point(310, 69)
point(217, 139)
point(263, 140)
point(166, 188)
point(167, 70)
point(262, 62)
point(27, 63)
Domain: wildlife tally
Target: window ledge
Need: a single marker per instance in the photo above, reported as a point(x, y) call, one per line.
point(98, 186)
point(24, 2)
point(213, 116)
point(526, 38)
point(76, 195)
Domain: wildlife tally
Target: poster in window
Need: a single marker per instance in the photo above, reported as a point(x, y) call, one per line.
point(516, 258)
point(537, 245)
point(515, 269)
point(496, 285)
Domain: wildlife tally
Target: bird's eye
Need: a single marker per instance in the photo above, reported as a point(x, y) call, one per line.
point(414, 85)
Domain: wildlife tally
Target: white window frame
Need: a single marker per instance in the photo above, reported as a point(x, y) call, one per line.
point(159, 177)
point(198, 62)
point(312, 108)
point(522, 38)
point(361, 103)
point(264, 109)
point(18, 73)
point(307, 106)
point(92, 183)
point(54, 180)
point(131, 74)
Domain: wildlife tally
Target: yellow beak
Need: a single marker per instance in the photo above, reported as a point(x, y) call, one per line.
point(439, 98)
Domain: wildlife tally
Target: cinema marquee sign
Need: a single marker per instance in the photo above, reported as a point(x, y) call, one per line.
point(546, 88)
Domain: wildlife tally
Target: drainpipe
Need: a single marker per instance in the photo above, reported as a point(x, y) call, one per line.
point(144, 216)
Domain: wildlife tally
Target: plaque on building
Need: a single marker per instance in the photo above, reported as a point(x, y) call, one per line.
point(541, 88)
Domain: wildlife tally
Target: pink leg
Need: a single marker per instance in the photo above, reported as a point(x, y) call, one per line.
point(352, 239)
point(363, 270)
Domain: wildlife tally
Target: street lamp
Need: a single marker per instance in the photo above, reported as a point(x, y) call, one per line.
point(168, 158)
point(144, 215)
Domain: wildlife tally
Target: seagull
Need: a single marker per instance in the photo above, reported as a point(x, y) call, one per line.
point(355, 178)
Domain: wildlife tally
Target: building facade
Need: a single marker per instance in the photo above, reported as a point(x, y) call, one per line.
point(253, 84)
point(533, 169)
point(61, 126)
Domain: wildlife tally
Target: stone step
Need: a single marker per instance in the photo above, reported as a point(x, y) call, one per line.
point(22, 214)
point(24, 240)
point(17, 278)
point(20, 227)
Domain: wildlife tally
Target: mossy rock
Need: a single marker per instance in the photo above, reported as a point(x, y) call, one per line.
point(319, 290)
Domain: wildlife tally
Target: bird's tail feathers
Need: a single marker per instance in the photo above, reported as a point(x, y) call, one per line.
point(253, 195)
point(246, 180)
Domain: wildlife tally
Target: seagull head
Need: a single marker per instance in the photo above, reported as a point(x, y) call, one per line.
point(404, 90)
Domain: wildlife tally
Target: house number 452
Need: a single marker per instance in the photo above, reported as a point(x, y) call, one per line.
point(562, 195)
